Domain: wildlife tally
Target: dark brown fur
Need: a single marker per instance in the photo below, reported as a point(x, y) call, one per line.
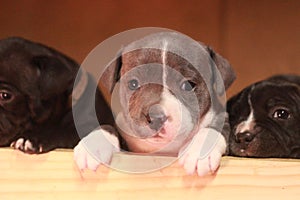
point(269, 136)
point(39, 81)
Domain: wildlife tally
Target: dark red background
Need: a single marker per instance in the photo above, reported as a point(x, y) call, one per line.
point(258, 37)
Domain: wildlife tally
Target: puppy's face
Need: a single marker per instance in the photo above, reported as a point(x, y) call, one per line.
point(265, 119)
point(12, 120)
point(31, 76)
point(163, 100)
point(17, 81)
point(169, 88)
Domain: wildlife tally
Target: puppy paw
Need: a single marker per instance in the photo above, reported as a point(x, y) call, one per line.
point(26, 146)
point(203, 154)
point(95, 149)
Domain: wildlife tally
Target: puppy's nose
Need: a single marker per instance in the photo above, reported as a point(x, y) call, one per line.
point(156, 117)
point(244, 137)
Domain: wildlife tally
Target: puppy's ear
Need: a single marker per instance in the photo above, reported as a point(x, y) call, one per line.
point(55, 80)
point(226, 71)
point(55, 75)
point(110, 77)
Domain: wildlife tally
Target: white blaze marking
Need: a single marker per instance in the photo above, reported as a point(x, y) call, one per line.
point(248, 124)
point(164, 62)
point(179, 117)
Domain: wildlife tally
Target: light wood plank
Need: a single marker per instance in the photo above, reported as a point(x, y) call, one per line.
point(55, 176)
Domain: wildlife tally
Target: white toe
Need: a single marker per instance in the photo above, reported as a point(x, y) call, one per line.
point(28, 146)
point(19, 143)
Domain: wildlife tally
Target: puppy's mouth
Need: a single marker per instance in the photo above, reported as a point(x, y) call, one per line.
point(161, 137)
point(162, 128)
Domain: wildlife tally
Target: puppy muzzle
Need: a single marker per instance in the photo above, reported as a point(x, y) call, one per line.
point(156, 117)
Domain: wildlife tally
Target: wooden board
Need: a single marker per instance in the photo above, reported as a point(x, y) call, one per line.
point(55, 176)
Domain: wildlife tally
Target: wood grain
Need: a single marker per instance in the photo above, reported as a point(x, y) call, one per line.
point(55, 176)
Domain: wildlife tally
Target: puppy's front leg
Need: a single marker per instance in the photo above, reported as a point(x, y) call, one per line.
point(96, 148)
point(204, 152)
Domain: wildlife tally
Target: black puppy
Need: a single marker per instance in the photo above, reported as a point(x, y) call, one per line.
point(265, 119)
point(36, 84)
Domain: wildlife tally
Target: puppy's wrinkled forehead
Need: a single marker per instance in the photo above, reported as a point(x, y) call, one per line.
point(169, 49)
point(16, 67)
point(281, 92)
point(156, 57)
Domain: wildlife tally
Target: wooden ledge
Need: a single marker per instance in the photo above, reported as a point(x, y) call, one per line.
point(55, 176)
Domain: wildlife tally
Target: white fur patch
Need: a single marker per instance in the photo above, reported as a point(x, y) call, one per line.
point(248, 124)
point(112, 139)
point(207, 120)
point(177, 111)
point(191, 158)
point(95, 149)
point(164, 58)
point(179, 123)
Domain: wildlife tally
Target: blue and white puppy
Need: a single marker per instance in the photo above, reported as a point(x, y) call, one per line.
point(170, 91)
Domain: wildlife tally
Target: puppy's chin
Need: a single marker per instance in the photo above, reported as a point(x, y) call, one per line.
point(237, 150)
point(153, 145)
point(251, 149)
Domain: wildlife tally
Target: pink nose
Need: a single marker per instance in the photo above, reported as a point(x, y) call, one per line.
point(156, 117)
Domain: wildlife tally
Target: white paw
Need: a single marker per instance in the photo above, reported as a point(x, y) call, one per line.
point(95, 149)
point(84, 159)
point(203, 154)
point(25, 145)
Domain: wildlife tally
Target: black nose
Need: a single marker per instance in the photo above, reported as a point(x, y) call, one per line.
point(244, 137)
point(156, 117)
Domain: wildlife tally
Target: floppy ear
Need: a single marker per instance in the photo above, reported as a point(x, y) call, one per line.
point(110, 77)
point(226, 71)
point(55, 76)
point(55, 80)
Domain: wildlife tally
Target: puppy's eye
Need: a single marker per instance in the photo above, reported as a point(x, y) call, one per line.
point(5, 96)
point(188, 85)
point(281, 114)
point(133, 84)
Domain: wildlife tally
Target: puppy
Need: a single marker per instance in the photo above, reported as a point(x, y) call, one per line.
point(170, 100)
point(36, 84)
point(265, 117)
